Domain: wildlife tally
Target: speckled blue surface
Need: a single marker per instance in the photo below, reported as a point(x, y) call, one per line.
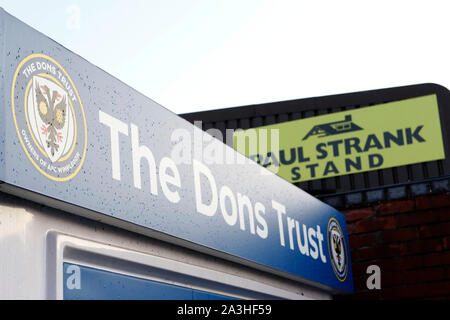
point(98, 284)
point(93, 187)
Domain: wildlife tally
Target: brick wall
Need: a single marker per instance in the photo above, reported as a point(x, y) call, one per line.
point(409, 240)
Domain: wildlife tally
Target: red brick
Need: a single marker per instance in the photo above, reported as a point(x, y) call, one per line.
point(446, 243)
point(400, 278)
point(399, 235)
point(398, 206)
point(360, 268)
point(404, 292)
point(436, 259)
point(424, 275)
point(421, 246)
point(391, 279)
point(388, 223)
point(367, 225)
point(444, 214)
point(422, 291)
point(437, 298)
point(375, 224)
point(351, 228)
point(358, 214)
point(437, 288)
point(363, 295)
point(401, 264)
point(359, 282)
point(435, 201)
point(364, 240)
point(435, 230)
point(416, 218)
point(390, 250)
point(365, 254)
point(423, 203)
point(441, 200)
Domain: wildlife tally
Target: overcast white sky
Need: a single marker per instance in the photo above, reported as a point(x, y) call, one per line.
point(191, 55)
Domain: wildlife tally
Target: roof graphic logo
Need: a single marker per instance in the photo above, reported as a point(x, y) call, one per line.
point(333, 128)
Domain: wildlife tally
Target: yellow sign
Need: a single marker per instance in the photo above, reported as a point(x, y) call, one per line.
point(382, 136)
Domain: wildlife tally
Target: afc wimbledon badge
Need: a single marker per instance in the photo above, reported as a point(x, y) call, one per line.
point(49, 117)
point(337, 249)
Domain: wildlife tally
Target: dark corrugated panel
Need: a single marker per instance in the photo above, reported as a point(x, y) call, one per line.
point(356, 187)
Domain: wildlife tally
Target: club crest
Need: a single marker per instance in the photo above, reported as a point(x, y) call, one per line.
point(337, 249)
point(49, 117)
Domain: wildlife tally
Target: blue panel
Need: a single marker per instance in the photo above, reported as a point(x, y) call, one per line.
point(74, 133)
point(84, 283)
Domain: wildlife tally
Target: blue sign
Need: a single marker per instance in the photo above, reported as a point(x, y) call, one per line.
point(74, 133)
point(85, 283)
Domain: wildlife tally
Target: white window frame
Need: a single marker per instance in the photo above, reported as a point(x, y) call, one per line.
point(63, 248)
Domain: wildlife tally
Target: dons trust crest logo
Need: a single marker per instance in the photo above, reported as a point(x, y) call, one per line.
point(337, 249)
point(49, 117)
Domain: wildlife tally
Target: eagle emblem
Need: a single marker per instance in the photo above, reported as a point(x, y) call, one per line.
point(337, 249)
point(50, 118)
